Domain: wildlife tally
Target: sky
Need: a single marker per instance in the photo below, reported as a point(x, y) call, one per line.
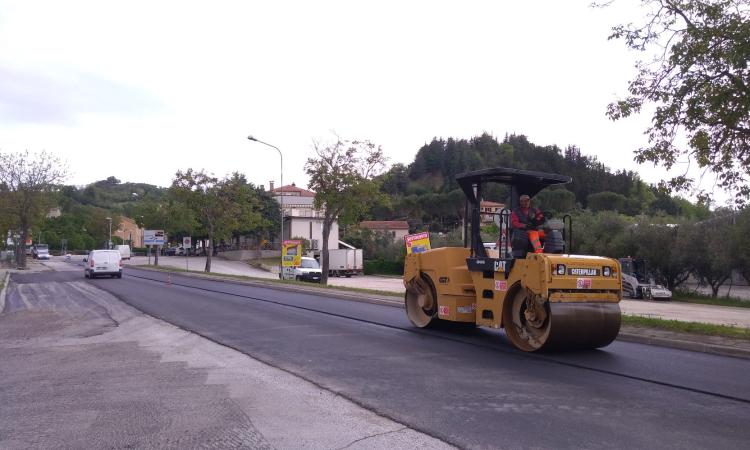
point(139, 90)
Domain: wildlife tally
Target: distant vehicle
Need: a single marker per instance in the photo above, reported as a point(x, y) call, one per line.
point(636, 282)
point(40, 251)
point(309, 270)
point(656, 292)
point(345, 262)
point(102, 262)
point(124, 251)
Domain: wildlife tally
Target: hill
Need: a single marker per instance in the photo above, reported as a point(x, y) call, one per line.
point(425, 192)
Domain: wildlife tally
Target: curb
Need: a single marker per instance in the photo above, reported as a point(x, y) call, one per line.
point(625, 334)
point(679, 344)
point(3, 291)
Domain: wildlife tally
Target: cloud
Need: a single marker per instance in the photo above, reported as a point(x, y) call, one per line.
point(42, 98)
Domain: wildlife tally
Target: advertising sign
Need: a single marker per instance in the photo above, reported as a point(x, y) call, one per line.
point(154, 237)
point(186, 242)
point(291, 254)
point(417, 243)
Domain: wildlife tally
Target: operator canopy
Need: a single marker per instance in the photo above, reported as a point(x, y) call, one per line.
point(521, 181)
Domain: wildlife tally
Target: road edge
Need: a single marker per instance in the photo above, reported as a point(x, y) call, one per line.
point(627, 334)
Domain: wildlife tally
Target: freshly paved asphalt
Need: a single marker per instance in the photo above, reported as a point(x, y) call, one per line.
point(466, 386)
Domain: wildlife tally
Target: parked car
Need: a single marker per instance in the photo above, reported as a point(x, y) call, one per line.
point(309, 270)
point(655, 292)
point(124, 251)
point(40, 251)
point(102, 262)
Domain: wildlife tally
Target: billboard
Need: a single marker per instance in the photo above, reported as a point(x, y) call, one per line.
point(154, 237)
point(291, 254)
point(417, 243)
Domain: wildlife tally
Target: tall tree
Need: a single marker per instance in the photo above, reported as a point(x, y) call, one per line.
point(699, 83)
point(28, 183)
point(715, 253)
point(342, 177)
point(219, 206)
point(666, 248)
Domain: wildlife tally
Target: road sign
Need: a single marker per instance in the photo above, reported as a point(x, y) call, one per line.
point(154, 237)
point(186, 242)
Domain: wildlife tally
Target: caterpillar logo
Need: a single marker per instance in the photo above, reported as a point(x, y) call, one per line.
point(583, 272)
point(499, 266)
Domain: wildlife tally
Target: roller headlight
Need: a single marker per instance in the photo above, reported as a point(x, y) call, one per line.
point(561, 269)
point(606, 271)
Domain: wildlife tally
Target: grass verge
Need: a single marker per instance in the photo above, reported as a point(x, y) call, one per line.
point(687, 327)
point(395, 295)
point(690, 297)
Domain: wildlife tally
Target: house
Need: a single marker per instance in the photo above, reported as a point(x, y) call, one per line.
point(490, 211)
point(397, 229)
point(54, 213)
point(301, 219)
point(129, 232)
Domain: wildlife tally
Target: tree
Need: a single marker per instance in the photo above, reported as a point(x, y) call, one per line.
point(28, 183)
point(555, 201)
point(714, 252)
point(666, 248)
point(699, 83)
point(219, 206)
point(741, 242)
point(602, 233)
point(606, 201)
point(342, 178)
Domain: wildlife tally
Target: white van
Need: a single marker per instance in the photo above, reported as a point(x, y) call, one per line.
point(124, 251)
point(309, 270)
point(102, 262)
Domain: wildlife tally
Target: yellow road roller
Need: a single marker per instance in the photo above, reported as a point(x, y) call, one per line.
point(544, 298)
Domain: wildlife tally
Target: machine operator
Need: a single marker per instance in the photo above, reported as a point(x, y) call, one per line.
point(529, 219)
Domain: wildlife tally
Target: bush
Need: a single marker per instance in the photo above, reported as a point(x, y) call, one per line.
point(382, 267)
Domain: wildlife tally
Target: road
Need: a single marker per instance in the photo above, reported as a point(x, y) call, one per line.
point(81, 369)
point(465, 386)
point(686, 312)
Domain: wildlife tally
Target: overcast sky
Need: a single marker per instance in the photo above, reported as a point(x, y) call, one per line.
point(139, 89)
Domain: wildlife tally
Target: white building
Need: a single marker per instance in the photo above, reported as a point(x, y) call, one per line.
point(301, 219)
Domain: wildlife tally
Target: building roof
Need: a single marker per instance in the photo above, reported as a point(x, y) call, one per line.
point(489, 204)
point(384, 224)
point(292, 190)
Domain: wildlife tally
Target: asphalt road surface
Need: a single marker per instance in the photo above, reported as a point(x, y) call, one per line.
point(81, 369)
point(463, 385)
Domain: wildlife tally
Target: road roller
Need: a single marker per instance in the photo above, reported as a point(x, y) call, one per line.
point(544, 298)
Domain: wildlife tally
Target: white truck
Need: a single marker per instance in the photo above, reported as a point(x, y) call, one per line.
point(345, 262)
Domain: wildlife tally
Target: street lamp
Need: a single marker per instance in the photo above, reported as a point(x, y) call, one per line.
point(109, 242)
point(281, 182)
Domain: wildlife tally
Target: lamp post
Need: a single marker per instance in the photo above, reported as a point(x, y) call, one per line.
point(281, 185)
point(109, 242)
